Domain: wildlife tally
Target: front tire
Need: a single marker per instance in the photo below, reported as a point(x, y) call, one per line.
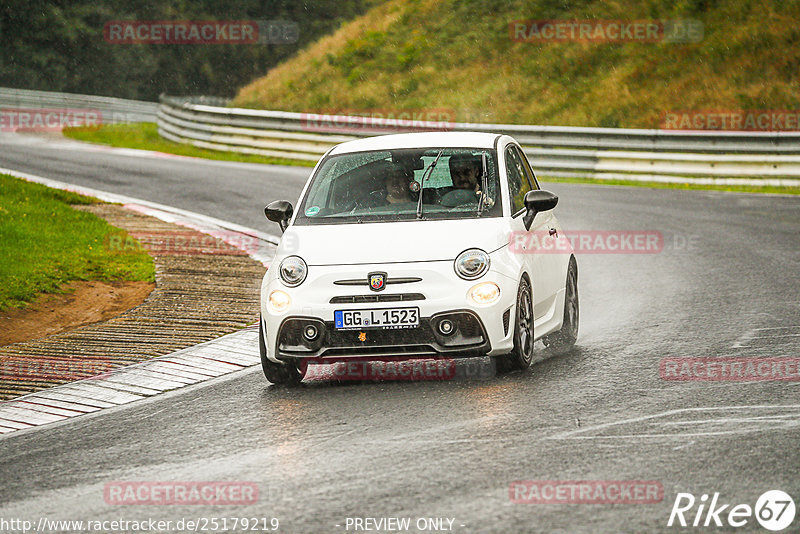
point(289, 373)
point(563, 340)
point(521, 355)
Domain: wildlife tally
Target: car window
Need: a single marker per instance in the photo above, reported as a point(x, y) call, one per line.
point(379, 186)
point(351, 173)
point(440, 177)
point(515, 174)
point(533, 183)
point(519, 174)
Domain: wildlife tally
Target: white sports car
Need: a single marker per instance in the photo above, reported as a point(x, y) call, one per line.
point(417, 246)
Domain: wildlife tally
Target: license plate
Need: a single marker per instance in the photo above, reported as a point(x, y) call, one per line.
point(380, 318)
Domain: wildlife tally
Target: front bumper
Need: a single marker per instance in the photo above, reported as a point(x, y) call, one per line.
point(438, 293)
point(468, 338)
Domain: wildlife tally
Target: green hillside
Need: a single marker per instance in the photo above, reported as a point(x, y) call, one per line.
point(458, 55)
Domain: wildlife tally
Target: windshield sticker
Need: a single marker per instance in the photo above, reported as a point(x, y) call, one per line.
point(313, 210)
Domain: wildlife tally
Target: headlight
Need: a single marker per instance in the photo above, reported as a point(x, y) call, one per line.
point(484, 293)
point(471, 264)
point(279, 301)
point(293, 271)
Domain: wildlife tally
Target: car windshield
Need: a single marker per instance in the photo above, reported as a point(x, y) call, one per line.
point(384, 186)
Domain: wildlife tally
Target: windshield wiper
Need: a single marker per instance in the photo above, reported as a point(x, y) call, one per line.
point(425, 176)
point(484, 185)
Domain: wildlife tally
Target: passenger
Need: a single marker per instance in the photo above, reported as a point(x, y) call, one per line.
point(397, 186)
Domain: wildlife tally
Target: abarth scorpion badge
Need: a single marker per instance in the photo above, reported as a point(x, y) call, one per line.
point(377, 281)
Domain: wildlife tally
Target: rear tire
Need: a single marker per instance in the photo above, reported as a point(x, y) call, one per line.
point(521, 355)
point(290, 373)
point(563, 340)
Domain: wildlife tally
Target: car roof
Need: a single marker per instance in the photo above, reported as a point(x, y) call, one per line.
point(419, 140)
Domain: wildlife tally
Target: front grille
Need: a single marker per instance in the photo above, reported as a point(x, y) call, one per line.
point(365, 281)
point(506, 318)
point(388, 297)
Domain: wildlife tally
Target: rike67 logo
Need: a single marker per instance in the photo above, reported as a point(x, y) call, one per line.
point(774, 510)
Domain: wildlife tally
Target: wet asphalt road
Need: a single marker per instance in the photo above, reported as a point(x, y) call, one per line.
point(726, 284)
point(187, 183)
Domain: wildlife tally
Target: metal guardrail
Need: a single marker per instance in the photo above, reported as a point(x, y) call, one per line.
point(651, 155)
point(113, 110)
point(731, 157)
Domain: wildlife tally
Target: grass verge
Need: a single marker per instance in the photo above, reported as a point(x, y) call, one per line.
point(45, 243)
point(144, 136)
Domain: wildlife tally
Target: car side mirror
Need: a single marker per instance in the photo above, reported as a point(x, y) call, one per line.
point(281, 212)
point(536, 201)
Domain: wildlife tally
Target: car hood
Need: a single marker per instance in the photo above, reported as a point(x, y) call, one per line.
point(349, 244)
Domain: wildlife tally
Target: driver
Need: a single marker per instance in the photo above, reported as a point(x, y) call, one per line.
point(465, 172)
